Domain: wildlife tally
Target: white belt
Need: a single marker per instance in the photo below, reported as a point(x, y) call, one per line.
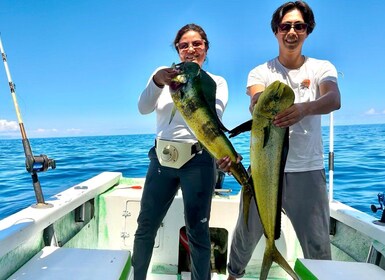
point(175, 154)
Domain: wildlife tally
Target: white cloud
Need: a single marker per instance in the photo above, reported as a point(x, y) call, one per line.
point(45, 130)
point(54, 132)
point(8, 125)
point(75, 130)
point(373, 111)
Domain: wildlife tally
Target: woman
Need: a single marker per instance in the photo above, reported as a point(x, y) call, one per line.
point(193, 170)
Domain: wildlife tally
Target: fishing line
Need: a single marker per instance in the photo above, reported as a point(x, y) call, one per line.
point(34, 164)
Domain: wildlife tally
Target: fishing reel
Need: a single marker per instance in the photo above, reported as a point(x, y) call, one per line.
point(40, 163)
point(381, 201)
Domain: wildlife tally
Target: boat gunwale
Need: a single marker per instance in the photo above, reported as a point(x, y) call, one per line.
point(19, 227)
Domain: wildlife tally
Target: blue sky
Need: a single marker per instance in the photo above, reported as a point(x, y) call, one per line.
point(79, 66)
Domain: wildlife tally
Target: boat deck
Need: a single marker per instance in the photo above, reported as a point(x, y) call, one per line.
point(100, 214)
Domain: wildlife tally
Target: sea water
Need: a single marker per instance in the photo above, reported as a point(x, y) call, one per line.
point(359, 165)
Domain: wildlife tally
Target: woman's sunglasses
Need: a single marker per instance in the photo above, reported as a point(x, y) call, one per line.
point(196, 45)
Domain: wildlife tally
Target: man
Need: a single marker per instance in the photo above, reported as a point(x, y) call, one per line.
point(314, 83)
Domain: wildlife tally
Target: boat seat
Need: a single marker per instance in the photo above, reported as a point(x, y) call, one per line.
point(61, 263)
point(326, 270)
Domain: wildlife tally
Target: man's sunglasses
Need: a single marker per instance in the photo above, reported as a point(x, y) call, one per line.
point(298, 27)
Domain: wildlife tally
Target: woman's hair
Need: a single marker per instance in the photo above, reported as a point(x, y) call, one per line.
point(191, 27)
point(301, 6)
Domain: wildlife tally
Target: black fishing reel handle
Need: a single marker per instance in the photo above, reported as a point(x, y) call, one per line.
point(381, 198)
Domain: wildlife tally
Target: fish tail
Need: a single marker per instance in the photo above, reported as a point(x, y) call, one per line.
point(243, 178)
point(272, 254)
point(280, 260)
point(246, 197)
point(240, 174)
point(267, 260)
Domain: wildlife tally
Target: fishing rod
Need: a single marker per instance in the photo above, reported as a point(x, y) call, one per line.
point(331, 151)
point(331, 156)
point(34, 164)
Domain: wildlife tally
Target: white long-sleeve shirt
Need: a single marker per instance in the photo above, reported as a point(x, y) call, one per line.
point(159, 100)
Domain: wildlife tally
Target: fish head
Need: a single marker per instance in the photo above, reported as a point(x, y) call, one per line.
point(274, 99)
point(188, 71)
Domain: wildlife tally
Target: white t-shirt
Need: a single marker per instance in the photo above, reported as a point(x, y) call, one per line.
point(305, 144)
point(159, 100)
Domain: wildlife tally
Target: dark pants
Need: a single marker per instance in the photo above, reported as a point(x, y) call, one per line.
point(306, 204)
point(196, 179)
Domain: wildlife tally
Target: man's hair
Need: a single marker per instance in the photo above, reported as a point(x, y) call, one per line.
point(301, 6)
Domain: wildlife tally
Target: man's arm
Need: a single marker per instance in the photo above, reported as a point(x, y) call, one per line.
point(254, 92)
point(329, 101)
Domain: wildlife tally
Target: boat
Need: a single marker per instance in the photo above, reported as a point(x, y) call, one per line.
point(87, 232)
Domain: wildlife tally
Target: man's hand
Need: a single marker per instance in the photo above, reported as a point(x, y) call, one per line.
point(254, 100)
point(291, 115)
point(225, 163)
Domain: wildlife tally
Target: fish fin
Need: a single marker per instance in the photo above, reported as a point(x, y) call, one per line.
point(249, 171)
point(209, 90)
point(246, 126)
point(172, 114)
point(266, 135)
point(221, 125)
point(285, 151)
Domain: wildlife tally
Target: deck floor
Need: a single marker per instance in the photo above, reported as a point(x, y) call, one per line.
point(184, 276)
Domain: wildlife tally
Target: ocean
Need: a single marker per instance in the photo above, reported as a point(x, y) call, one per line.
point(359, 166)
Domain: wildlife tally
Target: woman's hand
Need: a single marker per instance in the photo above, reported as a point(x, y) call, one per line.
point(164, 76)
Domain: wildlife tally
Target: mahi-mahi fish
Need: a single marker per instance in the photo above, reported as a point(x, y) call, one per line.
point(268, 151)
point(194, 93)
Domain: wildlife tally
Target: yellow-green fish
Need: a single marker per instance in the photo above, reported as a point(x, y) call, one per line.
point(194, 93)
point(268, 151)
